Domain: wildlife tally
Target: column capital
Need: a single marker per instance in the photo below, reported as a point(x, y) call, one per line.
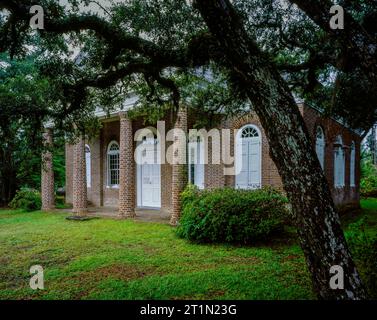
point(123, 115)
point(48, 125)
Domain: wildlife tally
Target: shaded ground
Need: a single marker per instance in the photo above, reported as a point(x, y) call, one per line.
point(117, 259)
point(147, 215)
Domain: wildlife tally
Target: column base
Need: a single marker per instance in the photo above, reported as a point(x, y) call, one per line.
point(46, 209)
point(80, 218)
point(174, 220)
point(80, 212)
point(126, 215)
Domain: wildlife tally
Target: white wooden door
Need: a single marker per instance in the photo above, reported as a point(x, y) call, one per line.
point(149, 177)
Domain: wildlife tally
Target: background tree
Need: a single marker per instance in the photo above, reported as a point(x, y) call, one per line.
point(24, 97)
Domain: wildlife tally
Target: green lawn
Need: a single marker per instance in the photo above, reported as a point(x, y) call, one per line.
point(108, 259)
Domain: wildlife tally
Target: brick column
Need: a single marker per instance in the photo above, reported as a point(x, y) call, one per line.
point(80, 201)
point(179, 168)
point(47, 174)
point(126, 169)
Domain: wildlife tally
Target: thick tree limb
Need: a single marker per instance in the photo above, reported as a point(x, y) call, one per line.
point(117, 39)
point(355, 40)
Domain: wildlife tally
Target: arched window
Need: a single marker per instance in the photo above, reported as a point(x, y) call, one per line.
point(88, 165)
point(352, 165)
point(339, 163)
point(196, 161)
point(320, 146)
point(248, 158)
point(113, 164)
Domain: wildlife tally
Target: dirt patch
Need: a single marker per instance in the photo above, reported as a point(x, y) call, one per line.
point(11, 280)
point(123, 272)
point(213, 294)
point(290, 257)
point(24, 247)
point(4, 260)
point(241, 260)
point(150, 250)
point(49, 259)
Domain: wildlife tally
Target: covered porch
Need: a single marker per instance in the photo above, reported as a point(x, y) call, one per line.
point(144, 215)
point(88, 189)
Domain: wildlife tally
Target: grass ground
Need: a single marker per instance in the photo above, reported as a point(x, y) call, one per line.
point(108, 259)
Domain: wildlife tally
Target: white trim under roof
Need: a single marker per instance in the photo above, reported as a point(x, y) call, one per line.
point(128, 104)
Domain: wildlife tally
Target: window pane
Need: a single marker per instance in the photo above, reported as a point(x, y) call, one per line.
point(113, 164)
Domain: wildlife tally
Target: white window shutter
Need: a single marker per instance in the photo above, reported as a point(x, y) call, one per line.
point(196, 163)
point(88, 167)
point(200, 165)
point(352, 166)
point(242, 168)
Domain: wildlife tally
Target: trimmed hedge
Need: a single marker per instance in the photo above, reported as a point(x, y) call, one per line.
point(230, 215)
point(27, 199)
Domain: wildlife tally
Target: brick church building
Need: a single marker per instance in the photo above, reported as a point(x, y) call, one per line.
point(105, 171)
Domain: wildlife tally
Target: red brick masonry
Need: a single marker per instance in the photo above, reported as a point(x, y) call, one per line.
point(173, 176)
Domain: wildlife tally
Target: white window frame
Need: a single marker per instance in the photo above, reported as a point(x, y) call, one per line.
point(196, 165)
point(108, 156)
point(353, 165)
point(238, 153)
point(320, 144)
point(88, 165)
point(339, 163)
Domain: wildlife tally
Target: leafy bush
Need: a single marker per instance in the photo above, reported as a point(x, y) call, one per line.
point(27, 199)
point(230, 215)
point(364, 251)
point(368, 183)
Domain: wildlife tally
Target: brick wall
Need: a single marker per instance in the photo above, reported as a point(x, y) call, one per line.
point(331, 128)
point(95, 192)
point(348, 195)
point(214, 176)
point(214, 173)
point(99, 193)
point(109, 132)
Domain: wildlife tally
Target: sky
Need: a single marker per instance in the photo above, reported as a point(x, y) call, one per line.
point(94, 6)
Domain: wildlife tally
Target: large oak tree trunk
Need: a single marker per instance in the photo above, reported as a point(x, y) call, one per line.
point(316, 218)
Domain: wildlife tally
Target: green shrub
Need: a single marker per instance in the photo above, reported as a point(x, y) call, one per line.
point(364, 251)
point(230, 215)
point(27, 199)
point(368, 183)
